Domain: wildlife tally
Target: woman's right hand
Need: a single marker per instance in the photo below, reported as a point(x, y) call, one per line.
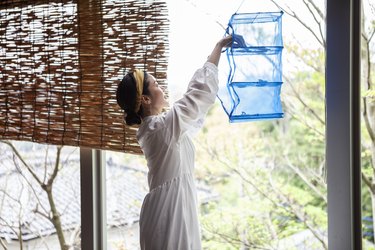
point(216, 53)
point(225, 42)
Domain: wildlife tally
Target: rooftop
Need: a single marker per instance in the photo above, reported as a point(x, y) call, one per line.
point(21, 205)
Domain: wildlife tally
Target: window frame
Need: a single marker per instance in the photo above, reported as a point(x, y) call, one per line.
point(93, 199)
point(343, 150)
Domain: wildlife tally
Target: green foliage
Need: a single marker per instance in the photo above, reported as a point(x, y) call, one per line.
point(270, 174)
point(370, 93)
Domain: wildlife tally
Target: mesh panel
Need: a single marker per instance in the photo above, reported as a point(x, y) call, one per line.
point(254, 68)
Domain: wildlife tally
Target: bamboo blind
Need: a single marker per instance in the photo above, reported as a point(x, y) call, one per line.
point(61, 62)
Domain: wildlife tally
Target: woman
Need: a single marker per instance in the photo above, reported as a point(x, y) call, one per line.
point(169, 218)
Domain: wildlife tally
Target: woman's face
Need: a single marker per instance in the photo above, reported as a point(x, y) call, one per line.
point(158, 101)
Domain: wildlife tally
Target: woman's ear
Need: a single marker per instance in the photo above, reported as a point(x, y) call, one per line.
point(146, 99)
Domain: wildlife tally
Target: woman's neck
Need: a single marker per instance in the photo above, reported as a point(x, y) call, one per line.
point(150, 112)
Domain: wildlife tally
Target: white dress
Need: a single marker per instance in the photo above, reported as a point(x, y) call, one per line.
point(169, 217)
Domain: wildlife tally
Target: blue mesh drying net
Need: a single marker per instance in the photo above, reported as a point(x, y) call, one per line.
point(254, 67)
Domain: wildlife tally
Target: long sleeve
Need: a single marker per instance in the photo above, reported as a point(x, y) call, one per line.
point(170, 159)
point(188, 113)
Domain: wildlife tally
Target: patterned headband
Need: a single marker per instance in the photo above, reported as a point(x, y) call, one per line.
point(139, 76)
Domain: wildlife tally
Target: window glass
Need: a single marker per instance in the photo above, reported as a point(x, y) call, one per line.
point(260, 184)
point(39, 196)
point(126, 185)
point(267, 178)
point(367, 122)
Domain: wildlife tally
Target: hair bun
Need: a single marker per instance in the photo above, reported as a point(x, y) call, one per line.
point(132, 118)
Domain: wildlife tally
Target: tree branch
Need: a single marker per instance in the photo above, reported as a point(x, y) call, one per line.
point(2, 243)
point(22, 160)
point(304, 179)
point(28, 183)
point(305, 58)
point(368, 183)
point(37, 211)
point(295, 16)
point(278, 204)
point(371, 35)
point(367, 123)
point(297, 95)
point(317, 9)
point(232, 240)
point(307, 125)
point(320, 177)
point(56, 168)
point(8, 225)
point(315, 18)
point(45, 165)
point(296, 211)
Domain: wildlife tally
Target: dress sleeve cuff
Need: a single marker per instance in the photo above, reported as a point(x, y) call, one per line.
point(211, 66)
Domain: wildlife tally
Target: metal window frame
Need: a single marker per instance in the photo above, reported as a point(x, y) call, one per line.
point(343, 151)
point(93, 199)
point(342, 141)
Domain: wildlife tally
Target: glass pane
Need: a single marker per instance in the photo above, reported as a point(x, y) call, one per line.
point(39, 196)
point(368, 124)
point(268, 178)
point(260, 184)
point(126, 184)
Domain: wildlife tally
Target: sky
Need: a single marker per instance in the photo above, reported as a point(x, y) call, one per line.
point(194, 30)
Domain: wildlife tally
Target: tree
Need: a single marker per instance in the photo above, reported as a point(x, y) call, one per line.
point(265, 198)
point(368, 103)
point(42, 174)
point(296, 144)
point(288, 177)
point(368, 87)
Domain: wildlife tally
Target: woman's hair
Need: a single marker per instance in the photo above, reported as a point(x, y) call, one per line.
point(126, 96)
